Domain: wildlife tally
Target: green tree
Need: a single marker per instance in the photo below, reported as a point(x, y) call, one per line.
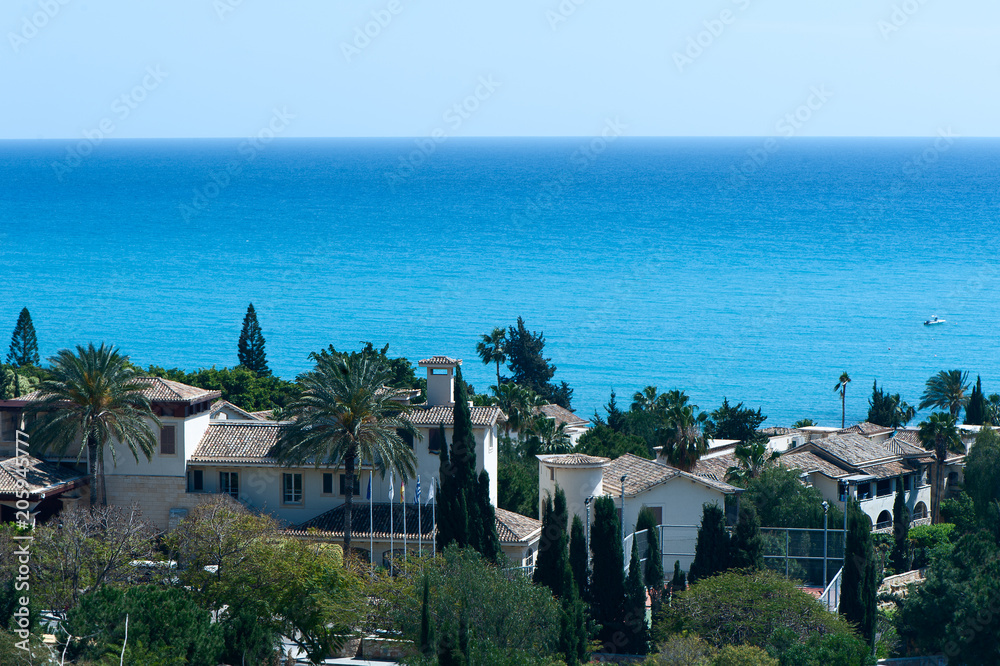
point(344, 417)
point(517, 481)
point(739, 422)
point(93, 397)
point(426, 643)
point(947, 390)
point(492, 349)
point(752, 459)
point(712, 549)
point(653, 573)
point(553, 544)
point(888, 410)
point(238, 385)
point(940, 435)
point(519, 404)
point(250, 348)
point(803, 423)
point(841, 387)
point(859, 587)
point(648, 400)
point(982, 477)
point(679, 581)
point(782, 500)
point(532, 370)
point(23, 342)
point(681, 434)
point(607, 599)
point(975, 410)
point(744, 655)
point(465, 515)
point(547, 436)
point(616, 417)
point(399, 370)
point(900, 557)
point(635, 606)
point(747, 543)
point(578, 560)
point(602, 440)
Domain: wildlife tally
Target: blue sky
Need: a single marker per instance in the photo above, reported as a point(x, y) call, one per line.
point(221, 68)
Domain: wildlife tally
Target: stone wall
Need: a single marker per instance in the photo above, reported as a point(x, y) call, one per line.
point(155, 495)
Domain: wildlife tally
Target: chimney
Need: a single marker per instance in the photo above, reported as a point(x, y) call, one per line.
point(440, 380)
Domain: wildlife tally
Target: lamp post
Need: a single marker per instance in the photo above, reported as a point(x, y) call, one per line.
point(586, 503)
point(622, 526)
point(826, 508)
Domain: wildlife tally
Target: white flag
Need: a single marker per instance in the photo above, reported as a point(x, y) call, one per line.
point(430, 492)
point(392, 482)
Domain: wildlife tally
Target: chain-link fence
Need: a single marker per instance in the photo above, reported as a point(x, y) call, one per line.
point(799, 553)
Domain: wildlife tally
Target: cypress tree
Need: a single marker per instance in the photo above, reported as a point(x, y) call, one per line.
point(900, 557)
point(975, 411)
point(426, 632)
point(711, 551)
point(452, 517)
point(23, 342)
point(748, 545)
point(251, 345)
point(608, 597)
point(679, 582)
point(578, 557)
point(573, 623)
point(859, 589)
point(552, 546)
point(653, 574)
point(489, 539)
point(637, 631)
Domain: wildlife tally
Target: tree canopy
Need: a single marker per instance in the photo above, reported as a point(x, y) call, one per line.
point(23, 342)
point(250, 348)
point(530, 368)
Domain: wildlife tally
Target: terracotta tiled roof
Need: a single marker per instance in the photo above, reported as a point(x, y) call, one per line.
point(219, 405)
point(865, 428)
point(775, 431)
point(242, 442)
point(158, 389)
point(573, 459)
point(42, 478)
point(440, 360)
point(515, 528)
point(889, 470)
point(263, 415)
point(714, 468)
point(560, 414)
point(643, 474)
point(911, 437)
point(331, 523)
point(858, 450)
point(422, 415)
point(807, 461)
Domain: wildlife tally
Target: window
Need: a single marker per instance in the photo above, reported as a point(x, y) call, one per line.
point(407, 437)
point(842, 491)
point(920, 510)
point(168, 440)
point(864, 491)
point(291, 488)
point(883, 487)
point(196, 480)
point(552, 473)
point(7, 426)
point(435, 438)
point(440, 371)
point(229, 483)
point(327, 483)
point(343, 485)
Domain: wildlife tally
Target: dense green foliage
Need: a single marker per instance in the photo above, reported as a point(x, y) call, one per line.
point(712, 549)
point(976, 409)
point(859, 587)
point(15, 382)
point(782, 500)
point(517, 480)
point(752, 459)
point(746, 543)
point(579, 561)
point(736, 422)
point(900, 557)
point(887, 409)
point(653, 572)
point(530, 369)
point(553, 546)
point(250, 349)
point(607, 593)
point(23, 342)
point(399, 370)
point(940, 435)
point(982, 478)
point(239, 386)
point(637, 631)
point(761, 608)
point(602, 441)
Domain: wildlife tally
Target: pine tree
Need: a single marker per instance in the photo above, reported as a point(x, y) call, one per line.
point(711, 551)
point(251, 345)
point(578, 558)
point(975, 411)
point(900, 557)
point(608, 597)
point(859, 590)
point(747, 543)
point(23, 342)
point(637, 631)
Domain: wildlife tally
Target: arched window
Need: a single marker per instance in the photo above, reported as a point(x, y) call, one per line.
point(920, 511)
point(884, 520)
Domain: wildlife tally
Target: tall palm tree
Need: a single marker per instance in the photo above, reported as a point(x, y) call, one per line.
point(648, 400)
point(93, 397)
point(752, 458)
point(492, 348)
point(947, 390)
point(549, 436)
point(940, 435)
point(841, 386)
point(519, 404)
point(344, 416)
point(681, 434)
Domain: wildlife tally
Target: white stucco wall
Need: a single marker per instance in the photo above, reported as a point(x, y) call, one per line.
point(578, 483)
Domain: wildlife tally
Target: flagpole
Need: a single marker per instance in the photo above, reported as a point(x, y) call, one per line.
point(402, 501)
point(392, 528)
point(434, 535)
point(420, 523)
point(371, 521)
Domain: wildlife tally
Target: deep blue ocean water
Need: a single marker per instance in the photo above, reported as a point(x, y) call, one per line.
point(711, 265)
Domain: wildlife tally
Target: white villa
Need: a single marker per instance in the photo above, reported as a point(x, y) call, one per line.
point(208, 446)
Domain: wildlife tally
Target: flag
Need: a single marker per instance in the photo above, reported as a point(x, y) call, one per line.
point(416, 496)
point(430, 493)
point(402, 491)
point(369, 487)
point(392, 486)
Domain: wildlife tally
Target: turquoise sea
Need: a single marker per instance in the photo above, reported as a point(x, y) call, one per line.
point(726, 267)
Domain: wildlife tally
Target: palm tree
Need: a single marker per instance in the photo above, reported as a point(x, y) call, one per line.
point(681, 433)
point(93, 397)
point(549, 436)
point(753, 458)
point(647, 400)
point(947, 390)
point(841, 386)
point(493, 348)
point(940, 435)
point(519, 404)
point(344, 416)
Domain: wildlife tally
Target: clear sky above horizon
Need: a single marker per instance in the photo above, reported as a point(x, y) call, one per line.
point(221, 68)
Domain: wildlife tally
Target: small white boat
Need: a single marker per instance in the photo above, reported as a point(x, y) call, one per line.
point(933, 320)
